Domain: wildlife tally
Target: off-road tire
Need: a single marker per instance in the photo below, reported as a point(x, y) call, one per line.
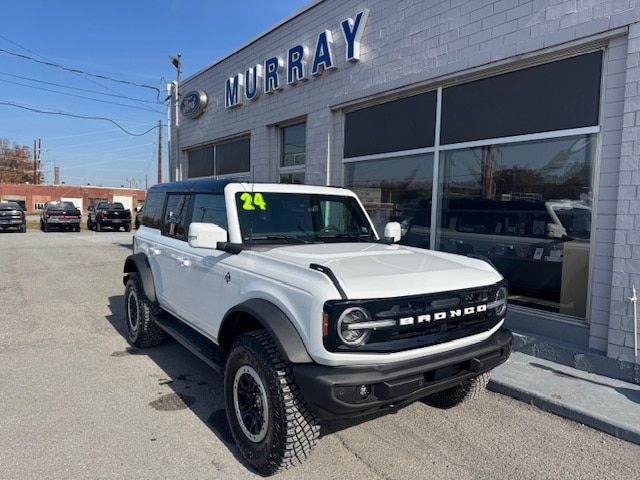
point(467, 390)
point(292, 430)
point(144, 332)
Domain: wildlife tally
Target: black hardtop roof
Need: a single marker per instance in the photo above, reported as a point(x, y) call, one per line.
point(203, 185)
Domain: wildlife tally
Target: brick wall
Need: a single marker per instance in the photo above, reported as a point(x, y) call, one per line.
point(44, 193)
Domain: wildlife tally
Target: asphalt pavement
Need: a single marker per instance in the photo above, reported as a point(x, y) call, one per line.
point(77, 403)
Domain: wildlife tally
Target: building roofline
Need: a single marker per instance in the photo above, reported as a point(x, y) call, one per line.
point(253, 40)
point(48, 185)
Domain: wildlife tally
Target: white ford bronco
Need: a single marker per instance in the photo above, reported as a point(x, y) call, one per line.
point(291, 293)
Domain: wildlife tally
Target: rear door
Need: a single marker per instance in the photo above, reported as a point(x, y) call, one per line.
point(172, 261)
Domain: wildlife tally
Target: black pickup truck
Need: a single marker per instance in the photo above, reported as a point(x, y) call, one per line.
point(60, 215)
point(112, 215)
point(12, 216)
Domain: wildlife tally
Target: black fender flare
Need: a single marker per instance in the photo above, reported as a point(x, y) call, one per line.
point(138, 263)
point(276, 322)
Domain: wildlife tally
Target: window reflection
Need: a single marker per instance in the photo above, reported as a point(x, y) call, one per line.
point(527, 208)
point(396, 190)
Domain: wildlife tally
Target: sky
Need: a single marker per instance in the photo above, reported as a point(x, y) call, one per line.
point(122, 39)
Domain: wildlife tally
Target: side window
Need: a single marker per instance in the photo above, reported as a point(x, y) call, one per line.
point(210, 208)
point(152, 215)
point(175, 216)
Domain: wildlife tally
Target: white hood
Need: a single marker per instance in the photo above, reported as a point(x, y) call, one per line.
point(370, 270)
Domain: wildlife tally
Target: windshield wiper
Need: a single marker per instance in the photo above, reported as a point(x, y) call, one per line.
point(276, 237)
point(348, 236)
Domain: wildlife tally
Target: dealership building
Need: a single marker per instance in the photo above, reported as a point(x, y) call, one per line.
point(505, 129)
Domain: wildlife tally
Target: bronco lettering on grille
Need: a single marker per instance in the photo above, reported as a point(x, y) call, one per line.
point(444, 315)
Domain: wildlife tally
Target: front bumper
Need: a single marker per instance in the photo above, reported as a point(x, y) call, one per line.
point(333, 392)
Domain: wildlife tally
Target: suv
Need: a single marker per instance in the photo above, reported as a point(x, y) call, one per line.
point(290, 292)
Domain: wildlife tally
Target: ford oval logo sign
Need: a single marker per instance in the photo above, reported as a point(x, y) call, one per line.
point(193, 104)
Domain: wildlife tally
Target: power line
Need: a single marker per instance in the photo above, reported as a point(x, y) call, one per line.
point(75, 115)
point(45, 58)
point(81, 96)
point(115, 95)
point(76, 70)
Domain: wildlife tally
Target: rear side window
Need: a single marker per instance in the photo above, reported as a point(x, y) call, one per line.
point(152, 215)
point(175, 216)
point(208, 208)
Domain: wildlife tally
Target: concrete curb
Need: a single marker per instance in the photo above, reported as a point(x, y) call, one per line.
point(552, 405)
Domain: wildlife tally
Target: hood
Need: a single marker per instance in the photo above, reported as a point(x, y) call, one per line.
point(371, 270)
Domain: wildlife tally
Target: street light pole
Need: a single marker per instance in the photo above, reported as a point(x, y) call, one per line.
point(177, 63)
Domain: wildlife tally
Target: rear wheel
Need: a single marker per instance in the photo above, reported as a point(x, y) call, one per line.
point(127, 228)
point(46, 227)
point(467, 390)
point(269, 419)
point(140, 315)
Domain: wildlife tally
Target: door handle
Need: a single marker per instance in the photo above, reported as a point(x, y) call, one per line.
point(185, 262)
point(155, 251)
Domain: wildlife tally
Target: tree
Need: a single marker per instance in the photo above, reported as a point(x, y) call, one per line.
point(16, 163)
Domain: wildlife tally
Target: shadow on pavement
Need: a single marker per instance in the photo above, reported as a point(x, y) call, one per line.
point(195, 385)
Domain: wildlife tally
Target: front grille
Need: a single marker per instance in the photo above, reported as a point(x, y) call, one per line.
point(420, 320)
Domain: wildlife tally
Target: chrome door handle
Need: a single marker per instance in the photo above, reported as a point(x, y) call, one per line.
point(155, 251)
point(185, 262)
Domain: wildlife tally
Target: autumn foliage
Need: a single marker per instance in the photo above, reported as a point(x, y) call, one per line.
point(16, 163)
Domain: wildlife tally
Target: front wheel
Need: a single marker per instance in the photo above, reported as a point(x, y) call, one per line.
point(98, 227)
point(269, 419)
point(467, 390)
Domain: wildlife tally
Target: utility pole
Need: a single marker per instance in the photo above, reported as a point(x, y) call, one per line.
point(176, 62)
point(56, 175)
point(35, 163)
point(146, 183)
point(159, 151)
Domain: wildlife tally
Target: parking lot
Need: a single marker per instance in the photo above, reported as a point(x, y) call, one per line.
point(78, 403)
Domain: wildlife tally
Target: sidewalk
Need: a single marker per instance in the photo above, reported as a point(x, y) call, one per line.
point(607, 404)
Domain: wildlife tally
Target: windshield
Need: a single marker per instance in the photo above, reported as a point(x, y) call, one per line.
point(301, 218)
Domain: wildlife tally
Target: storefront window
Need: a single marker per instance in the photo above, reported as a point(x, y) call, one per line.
point(225, 158)
point(526, 207)
point(293, 153)
point(294, 149)
point(396, 189)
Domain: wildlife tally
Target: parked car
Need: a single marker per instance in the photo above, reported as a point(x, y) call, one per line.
point(109, 215)
point(138, 216)
point(60, 215)
point(12, 216)
point(310, 315)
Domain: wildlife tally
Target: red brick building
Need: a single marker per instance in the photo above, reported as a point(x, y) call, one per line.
point(32, 197)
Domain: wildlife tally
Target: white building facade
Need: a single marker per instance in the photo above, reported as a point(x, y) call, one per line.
point(503, 129)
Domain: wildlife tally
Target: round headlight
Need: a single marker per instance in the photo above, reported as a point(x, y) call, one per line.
point(501, 300)
point(349, 335)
